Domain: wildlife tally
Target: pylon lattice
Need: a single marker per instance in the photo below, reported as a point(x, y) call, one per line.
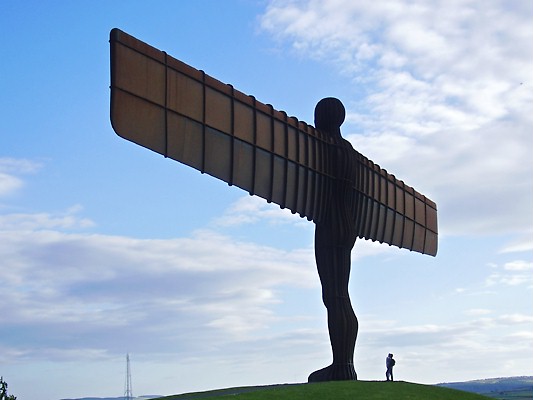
point(128, 395)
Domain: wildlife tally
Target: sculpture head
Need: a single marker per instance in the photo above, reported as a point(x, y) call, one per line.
point(329, 115)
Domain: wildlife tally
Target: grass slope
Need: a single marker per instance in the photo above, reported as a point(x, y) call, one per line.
point(344, 390)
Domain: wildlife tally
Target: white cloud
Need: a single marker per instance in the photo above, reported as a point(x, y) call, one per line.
point(516, 319)
point(448, 87)
point(512, 273)
point(518, 265)
point(520, 244)
point(252, 209)
point(9, 184)
point(10, 169)
point(65, 287)
point(18, 165)
point(523, 335)
point(66, 220)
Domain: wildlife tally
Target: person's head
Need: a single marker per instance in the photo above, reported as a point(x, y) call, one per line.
point(329, 115)
point(390, 355)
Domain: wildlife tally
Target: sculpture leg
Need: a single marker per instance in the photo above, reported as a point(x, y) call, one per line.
point(333, 264)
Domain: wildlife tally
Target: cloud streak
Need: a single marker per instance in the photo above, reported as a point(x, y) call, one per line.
point(10, 171)
point(63, 288)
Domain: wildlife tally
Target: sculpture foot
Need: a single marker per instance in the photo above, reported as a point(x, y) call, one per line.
point(335, 372)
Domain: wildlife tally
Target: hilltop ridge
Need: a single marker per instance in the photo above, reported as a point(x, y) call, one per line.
point(494, 387)
point(498, 388)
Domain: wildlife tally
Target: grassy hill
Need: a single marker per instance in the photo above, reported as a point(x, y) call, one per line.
point(344, 390)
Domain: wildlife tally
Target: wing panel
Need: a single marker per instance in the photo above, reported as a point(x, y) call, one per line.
point(264, 137)
point(218, 153)
point(420, 210)
point(243, 156)
point(393, 212)
point(292, 143)
point(400, 198)
point(244, 122)
point(431, 215)
point(431, 241)
point(280, 147)
point(408, 233)
point(263, 175)
point(291, 191)
point(185, 141)
point(301, 190)
point(279, 187)
point(310, 193)
point(397, 237)
point(409, 203)
point(218, 112)
point(139, 121)
point(419, 237)
point(185, 95)
point(131, 69)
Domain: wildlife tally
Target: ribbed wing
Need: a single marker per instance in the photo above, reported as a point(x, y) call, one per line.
point(392, 212)
point(182, 113)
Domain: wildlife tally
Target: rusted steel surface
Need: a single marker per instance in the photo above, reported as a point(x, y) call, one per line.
point(182, 113)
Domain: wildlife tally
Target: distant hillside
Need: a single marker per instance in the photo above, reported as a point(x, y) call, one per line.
point(500, 388)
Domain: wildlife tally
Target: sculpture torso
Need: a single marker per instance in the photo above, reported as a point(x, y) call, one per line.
point(337, 227)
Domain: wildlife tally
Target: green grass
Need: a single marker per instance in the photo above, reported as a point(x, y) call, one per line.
point(344, 390)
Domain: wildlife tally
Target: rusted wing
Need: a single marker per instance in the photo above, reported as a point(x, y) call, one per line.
point(182, 113)
point(169, 107)
point(392, 212)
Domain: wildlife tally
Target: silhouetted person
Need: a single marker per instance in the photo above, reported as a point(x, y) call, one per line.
point(389, 362)
point(335, 236)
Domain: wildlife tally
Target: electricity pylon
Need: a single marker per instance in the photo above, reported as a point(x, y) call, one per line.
point(127, 386)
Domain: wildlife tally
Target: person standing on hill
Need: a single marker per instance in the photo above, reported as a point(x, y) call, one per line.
point(389, 362)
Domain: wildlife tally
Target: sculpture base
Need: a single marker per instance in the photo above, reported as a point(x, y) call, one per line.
point(335, 372)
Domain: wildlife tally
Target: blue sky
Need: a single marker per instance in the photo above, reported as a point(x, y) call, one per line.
point(107, 248)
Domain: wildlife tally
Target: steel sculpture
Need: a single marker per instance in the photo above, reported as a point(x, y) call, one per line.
point(184, 114)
